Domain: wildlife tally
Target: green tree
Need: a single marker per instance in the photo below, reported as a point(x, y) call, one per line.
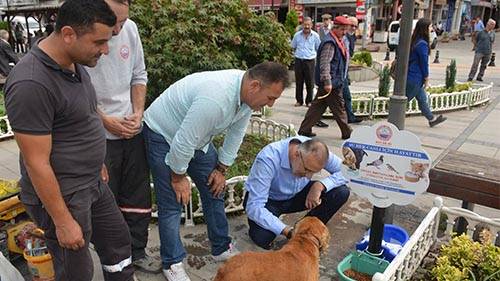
point(183, 37)
point(291, 22)
point(451, 73)
point(384, 81)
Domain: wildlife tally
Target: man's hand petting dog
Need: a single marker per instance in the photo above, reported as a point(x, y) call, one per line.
point(313, 199)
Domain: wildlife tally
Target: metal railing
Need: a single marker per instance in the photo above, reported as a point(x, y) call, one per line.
point(369, 104)
point(413, 252)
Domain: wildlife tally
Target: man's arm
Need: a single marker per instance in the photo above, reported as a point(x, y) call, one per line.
point(326, 57)
point(35, 151)
point(258, 185)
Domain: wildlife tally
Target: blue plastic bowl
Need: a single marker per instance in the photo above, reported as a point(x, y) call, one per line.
point(393, 236)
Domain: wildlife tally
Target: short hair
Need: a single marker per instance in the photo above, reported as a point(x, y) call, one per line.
point(307, 19)
point(81, 15)
point(125, 2)
point(315, 147)
point(4, 34)
point(269, 73)
point(492, 21)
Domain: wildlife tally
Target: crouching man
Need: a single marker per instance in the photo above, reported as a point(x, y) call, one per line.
point(280, 183)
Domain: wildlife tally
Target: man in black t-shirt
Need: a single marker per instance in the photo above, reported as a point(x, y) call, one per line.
point(52, 108)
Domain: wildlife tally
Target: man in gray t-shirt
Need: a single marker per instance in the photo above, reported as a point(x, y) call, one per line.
point(484, 42)
point(52, 108)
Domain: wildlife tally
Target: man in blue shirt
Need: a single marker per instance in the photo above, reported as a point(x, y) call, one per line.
point(305, 43)
point(178, 131)
point(280, 183)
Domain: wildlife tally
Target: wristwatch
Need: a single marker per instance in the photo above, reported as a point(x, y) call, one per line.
point(222, 169)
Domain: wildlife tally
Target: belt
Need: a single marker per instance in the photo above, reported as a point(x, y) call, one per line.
point(304, 59)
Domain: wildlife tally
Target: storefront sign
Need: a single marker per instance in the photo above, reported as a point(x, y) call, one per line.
point(360, 9)
point(385, 165)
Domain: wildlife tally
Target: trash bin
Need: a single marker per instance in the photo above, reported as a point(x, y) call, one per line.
point(394, 239)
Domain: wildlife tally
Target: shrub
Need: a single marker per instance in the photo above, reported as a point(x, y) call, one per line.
point(464, 259)
point(4, 25)
point(183, 37)
point(384, 81)
point(363, 58)
point(291, 22)
point(457, 88)
point(451, 73)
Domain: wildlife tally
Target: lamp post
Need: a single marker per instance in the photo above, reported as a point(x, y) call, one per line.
point(397, 110)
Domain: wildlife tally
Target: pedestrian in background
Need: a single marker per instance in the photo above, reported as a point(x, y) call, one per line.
point(350, 41)
point(484, 47)
point(7, 56)
point(330, 74)
point(305, 44)
point(326, 26)
point(478, 27)
point(418, 70)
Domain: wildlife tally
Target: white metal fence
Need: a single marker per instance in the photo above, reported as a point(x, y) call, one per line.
point(369, 104)
point(408, 260)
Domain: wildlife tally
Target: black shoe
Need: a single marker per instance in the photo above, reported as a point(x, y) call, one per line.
point(469, 79)
point(321, 124)
point(310, 134)
point(439, 119)
point(479, 79)
point(357, 120)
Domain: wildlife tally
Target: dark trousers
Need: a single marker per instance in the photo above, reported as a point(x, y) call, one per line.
point(95, 210)
point(304, 72)
point(129, 180)
point(330, 204)
point(346, 94)
point(335, 102)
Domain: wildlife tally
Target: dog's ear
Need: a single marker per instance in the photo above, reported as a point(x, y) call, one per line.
point(321, 234)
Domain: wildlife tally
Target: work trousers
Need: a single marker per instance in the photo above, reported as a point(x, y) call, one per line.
point(129, 180)
point(102, 224)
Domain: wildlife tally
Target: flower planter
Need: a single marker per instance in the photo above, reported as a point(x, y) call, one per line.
point(361, 262)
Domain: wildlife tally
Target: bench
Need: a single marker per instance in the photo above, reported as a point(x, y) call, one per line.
point(471, 178)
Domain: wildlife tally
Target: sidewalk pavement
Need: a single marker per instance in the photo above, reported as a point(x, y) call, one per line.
point(473, 131)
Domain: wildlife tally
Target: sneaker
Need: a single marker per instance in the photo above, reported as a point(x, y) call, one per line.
point(321, 124)
point(176, 273)
point(479, 79)
point(231, 252)
point(148, 264)
point(437, 120)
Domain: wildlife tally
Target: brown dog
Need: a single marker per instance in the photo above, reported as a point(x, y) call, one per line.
point(298, 260)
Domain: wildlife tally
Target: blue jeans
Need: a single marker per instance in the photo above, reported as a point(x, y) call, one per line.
point(346, 93)
point(169, 210)
point(417, 91)
point(330, 204)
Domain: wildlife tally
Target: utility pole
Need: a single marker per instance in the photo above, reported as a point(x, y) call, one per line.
point(365, 27)
point(397, 110)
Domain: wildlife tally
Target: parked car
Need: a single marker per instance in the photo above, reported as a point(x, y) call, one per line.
point(393, 38)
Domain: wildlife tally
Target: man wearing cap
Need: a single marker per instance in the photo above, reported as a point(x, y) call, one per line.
point(325, 28)
point(350, 40)
point(305, 43)
point(330, 75)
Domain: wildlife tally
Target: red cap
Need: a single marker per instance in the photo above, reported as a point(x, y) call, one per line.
point(341, 20)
